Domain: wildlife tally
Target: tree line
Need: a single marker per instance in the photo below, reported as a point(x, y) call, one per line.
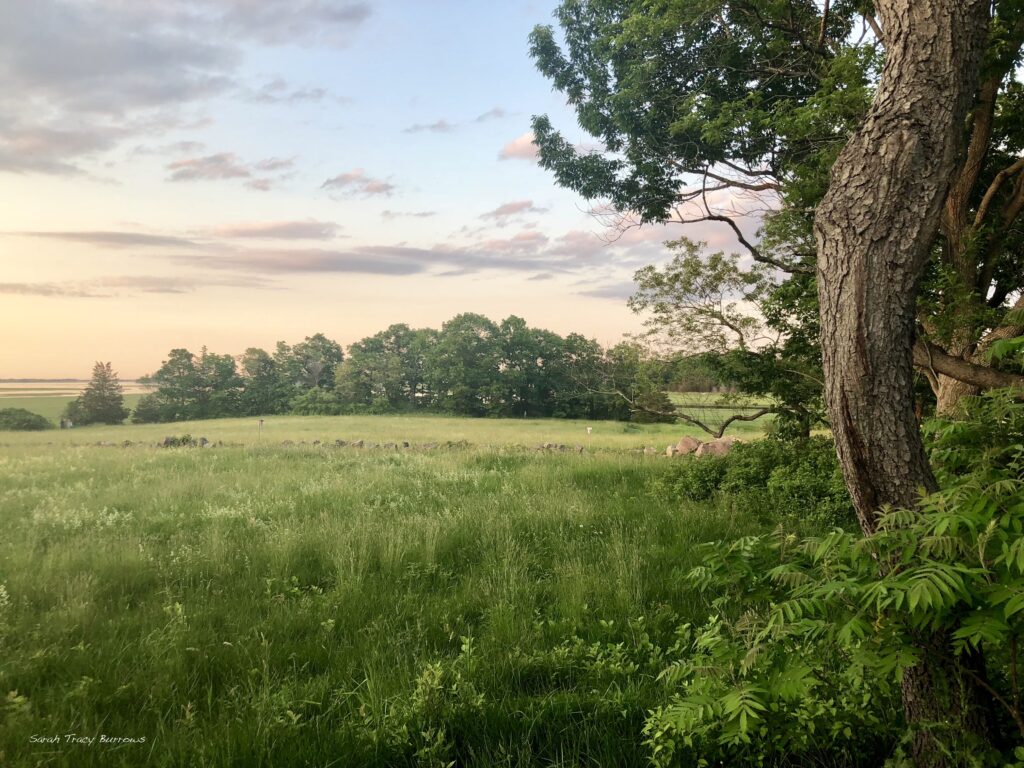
point(471, 366)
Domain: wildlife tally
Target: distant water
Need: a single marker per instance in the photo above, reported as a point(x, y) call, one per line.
point(51, 388)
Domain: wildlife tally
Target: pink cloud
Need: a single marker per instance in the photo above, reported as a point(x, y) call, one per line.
point(357, 182)
point(515, 208)
point(520, 148)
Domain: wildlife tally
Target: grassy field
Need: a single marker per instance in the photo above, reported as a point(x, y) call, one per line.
point(50, 398)
point(263, 604)
point(50, 406)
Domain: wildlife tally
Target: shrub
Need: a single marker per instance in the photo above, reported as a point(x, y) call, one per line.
point(20, 420)
point(770, 478)
point(316, 402)
point(808, 641)
point(148, 410)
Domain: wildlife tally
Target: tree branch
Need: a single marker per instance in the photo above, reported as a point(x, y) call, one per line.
point(873, 23)
point(927, 356)
point(754, 251)
point(766, 186)
point(824, 26)
point(993, 188)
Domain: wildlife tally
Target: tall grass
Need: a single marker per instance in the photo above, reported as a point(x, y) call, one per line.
point(263, 604)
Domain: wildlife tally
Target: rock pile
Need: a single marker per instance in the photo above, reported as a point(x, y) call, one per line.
point(690, 445)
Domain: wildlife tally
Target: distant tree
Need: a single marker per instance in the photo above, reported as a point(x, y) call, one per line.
point(148, 410)
point(385, 371)
point(74, 413)
point(191, 387)
point(528, 370)
point(316, 401)
point(101, 402)
point(462, 367)
point(220, 386)
point(315, 360)
point(577, 378)
point(265, 389)
point(20, 420)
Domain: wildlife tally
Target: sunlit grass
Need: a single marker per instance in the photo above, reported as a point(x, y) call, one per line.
point(268, 604)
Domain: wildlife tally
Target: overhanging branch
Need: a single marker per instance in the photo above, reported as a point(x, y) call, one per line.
point(930, 357)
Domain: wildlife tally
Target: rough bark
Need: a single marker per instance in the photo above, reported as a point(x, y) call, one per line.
point(974, 237)
point(949, 399)
point(874, 230)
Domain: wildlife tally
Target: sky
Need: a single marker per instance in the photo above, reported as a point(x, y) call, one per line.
point(231, 173)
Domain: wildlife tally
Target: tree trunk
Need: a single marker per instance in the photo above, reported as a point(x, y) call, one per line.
point(949, 398)
point(874, 230)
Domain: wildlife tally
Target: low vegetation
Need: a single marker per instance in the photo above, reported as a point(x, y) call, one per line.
point(21, 420)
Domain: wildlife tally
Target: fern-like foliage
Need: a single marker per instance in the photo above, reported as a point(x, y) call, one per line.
point(808, 639)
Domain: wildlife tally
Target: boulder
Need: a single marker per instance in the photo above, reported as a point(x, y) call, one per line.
point(687, 445)
point(718, 447)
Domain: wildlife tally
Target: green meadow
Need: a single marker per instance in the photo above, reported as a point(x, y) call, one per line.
point(50, 406)
point(274, 602)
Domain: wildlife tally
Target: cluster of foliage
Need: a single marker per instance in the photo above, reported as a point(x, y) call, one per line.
point(471, 366)
point(797, 480)
point(101, 402)
point(210, 385)
point(809, 639)
point(718, 113)
point(20, 420)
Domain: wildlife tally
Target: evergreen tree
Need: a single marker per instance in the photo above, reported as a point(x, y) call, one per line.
point(102, 401)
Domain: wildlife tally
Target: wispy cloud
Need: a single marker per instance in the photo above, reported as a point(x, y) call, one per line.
point(275, 164)
point(438, 126)
point(279, 91)
point(356, 182)
point(515, 208)
point(110, 287)
point(261, 175)
point(387, 214)
point(495, 113)
point(312, 261)
point(115, 239)
point(310, 229)
point(330, 23)
point(173, 148)
point(225, 165)
point(520, 148)
point(617, 291)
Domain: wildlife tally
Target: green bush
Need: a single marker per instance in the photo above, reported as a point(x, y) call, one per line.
point(808, 640)
point(316, 402)
point(20, 420)
point(770, 478)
